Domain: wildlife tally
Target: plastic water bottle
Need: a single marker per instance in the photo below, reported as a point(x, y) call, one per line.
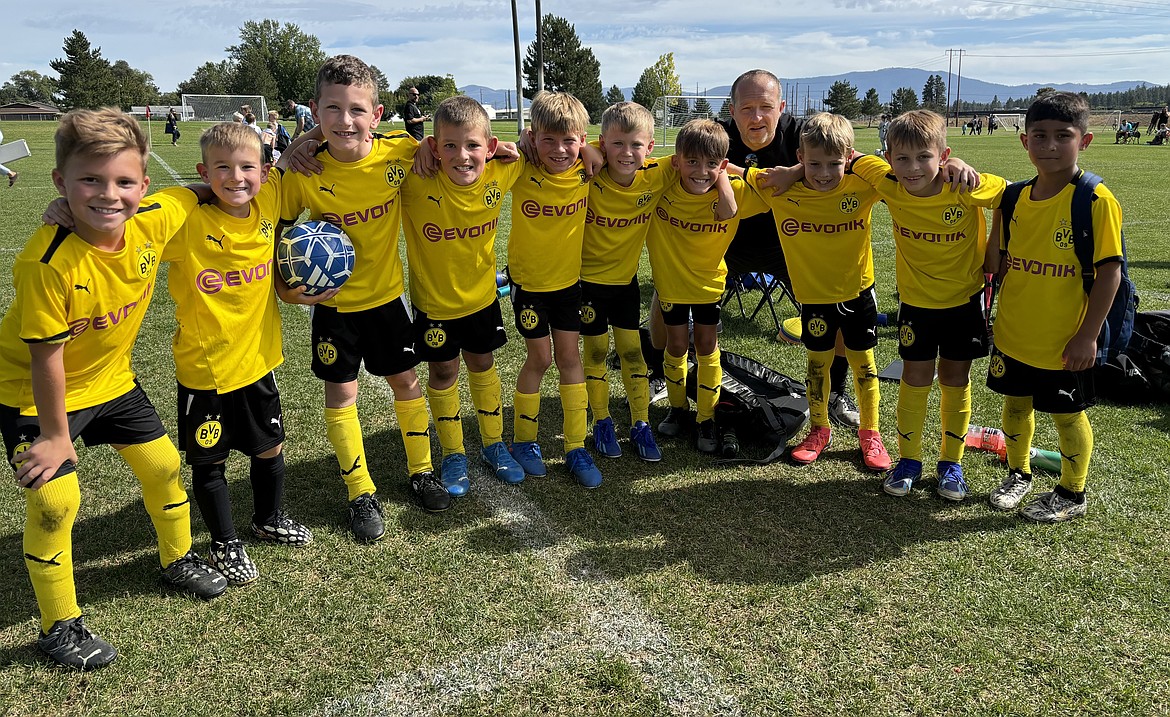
point(986, 438)
point(1045, 460)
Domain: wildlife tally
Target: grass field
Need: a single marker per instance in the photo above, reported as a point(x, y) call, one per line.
point(676, 589)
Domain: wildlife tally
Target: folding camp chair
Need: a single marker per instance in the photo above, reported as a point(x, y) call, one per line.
point(766, 271)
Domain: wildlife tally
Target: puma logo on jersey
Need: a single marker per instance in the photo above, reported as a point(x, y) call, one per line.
point(213, 240)
point(83, 287)
point(43, 561)
point(438, 202)
point(482, 412)
point(537, 182)
point(533, 419)
point(1071, 394)
point(357, 463)
point(600, 189)
point(328, 190)
point(794, 201)
point(419, 434)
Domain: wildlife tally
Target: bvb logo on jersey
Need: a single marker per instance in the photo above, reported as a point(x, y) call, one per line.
point(395, 175)
point(952, 215)
point(529, 319)
point(492, 196)
point(1063, 238)
point(817, 326)
point(147, 260)
point(998, 368)
point(20, 448)
point(850, 203)
point(906, 335)
point(666, 306)
point(326, 353)
point(435, 337)
point(581, 176)
point(266, 228)
point(208, 433)
point(645, 199)
point(588, 314)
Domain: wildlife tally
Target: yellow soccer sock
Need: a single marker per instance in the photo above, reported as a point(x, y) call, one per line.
point(954, 408)
point(817, 387)
point(344, 431)
point(710, 376)
point(448, 423)
point(635, 375)
point(574, 404)
point(674, 369)
point(156, 465)
point(596, 382)
point(525, 416)
point(486, 397)
point(48, 547)
point(414, 423)
point(1019, 425)
point(1076, 448)
point(911, 413)
point(865, 383)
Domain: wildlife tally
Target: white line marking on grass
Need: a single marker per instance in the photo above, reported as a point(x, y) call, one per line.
point(170, 170)
point(614, 623)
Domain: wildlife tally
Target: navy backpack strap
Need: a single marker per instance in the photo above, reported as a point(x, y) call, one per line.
point(1082, 224)
point(1007, 206)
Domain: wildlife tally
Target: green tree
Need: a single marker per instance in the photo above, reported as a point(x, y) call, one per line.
point(934, 94)
point(614, 95)
point(85, 77)
point(995, 104)
point(871, 105)
point(702, 106)
point(843, 100)
point(210, 78)
point(903, 100)
point(725, 109)
point(568, 66)
point(289, 57)
point(134, 87)
point(29, 86)
point(432, 89)
point(658, 80)
point(252, 75)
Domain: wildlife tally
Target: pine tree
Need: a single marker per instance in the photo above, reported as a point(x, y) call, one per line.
point(614, 95)
point(843, 100)
point(568, 66)
point(86, 78)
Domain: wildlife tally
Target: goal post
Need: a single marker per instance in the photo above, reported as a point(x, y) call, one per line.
point(673, 111)
point(220, 108)
point(1013, 122)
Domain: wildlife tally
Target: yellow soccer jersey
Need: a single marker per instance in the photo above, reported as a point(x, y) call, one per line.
point(687, 243)
point(362, 198)
point(221, 280)
point(450, 239)
point(617, 220)
point(1042, 301)
point(548, 225)
point(67, 290)
point(826, 238)
point(939, 240)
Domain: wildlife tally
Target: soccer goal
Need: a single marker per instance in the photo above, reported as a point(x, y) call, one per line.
point(1010, 122)
point(673, 111)
point(220, 108)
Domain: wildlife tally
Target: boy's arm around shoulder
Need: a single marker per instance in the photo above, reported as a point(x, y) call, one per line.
point(53, 447)
point(727, 207)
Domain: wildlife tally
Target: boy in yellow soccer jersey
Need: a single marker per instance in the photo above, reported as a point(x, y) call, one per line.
point(544, 264)
point(221, 280)
point(824, 226)
point(940, 239)
point(1047, 326)
point(621, 199)
point(450, 222)
point(65, 369)
point(693, 224)
point(367, 320)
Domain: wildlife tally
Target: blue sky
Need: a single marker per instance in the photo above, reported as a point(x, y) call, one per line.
point(1004, 41)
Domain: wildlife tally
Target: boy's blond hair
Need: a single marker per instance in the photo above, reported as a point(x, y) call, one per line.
point(229, 136)
point(628, 117)
point(830, 132)
point(918, 128)
point(346, 70)
point(103, 132)
point(702, 139)
point(558, 113)
point(462, 111)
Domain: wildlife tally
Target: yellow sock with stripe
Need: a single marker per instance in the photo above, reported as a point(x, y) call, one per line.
point(911, 413)
point(710, 376)
point(156, 465)
point(525, 416)
point(1076, 448)
point(448, 422)
point(486, 395)
point(817, 387)
point(865, 384)
point(954, 409)
point(574, 405)
point(344, 431)
point(1019, 425)
point(414, 422)
point(594, 349)
point(48, 547)
point(635, 375)
point(674, 369)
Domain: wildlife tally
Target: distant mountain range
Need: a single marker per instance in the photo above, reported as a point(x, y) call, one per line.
point(884, 81)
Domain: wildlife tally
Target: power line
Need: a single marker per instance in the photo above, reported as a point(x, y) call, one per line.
point(1089, 7)
point(1117, 53)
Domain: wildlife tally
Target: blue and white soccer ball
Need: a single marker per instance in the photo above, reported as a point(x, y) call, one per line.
point(316, 254)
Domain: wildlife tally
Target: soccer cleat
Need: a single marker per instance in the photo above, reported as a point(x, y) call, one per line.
point(582, 468)
point(605, 440)
point(873, 451)
point(1013, 489)
point(192, 575)
point(366, 518)
point(503, 464)
point(790, 331)
point(283, 529)
point(705, 438)
point(899, 481)
point(454, 473)
point(430, 492)
point(70, 643)
point(676, 420)
point(232, 561)
point(643, 439)
point(812, 446)
point(950, 481)
point(843, 411)
point(527, 454)
point(1052, 507)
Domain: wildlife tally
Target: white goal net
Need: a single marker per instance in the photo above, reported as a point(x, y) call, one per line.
point(1010, 122)
point(220, 108)
point(673, 111)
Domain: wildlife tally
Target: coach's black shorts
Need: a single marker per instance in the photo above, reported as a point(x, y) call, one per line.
point(856, 319)
point(441, 340)
point(677, 314)
point(538, 311)
point(383, 337)
point(955, 334)
point(248, 419)
point(605, 305)
point(1051, 391)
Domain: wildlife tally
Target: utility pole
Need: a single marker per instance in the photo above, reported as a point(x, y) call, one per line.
point(958, 84)
point(519, 82)
point(950, 58)
point(539, 50)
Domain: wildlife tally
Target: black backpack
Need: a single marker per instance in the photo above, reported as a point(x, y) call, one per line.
point(1142, 373)
point(282, 138)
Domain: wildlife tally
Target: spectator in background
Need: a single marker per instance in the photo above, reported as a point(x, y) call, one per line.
point(413, 116)
point(173, 126)
point(8, 172)
point(303, 116)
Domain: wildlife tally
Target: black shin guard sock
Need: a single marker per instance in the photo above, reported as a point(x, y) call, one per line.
point(211, 495)
point(267, 475)
point(838, 373)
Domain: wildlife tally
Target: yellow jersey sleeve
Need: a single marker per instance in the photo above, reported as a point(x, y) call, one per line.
point(617, 219)
point(548, 227)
